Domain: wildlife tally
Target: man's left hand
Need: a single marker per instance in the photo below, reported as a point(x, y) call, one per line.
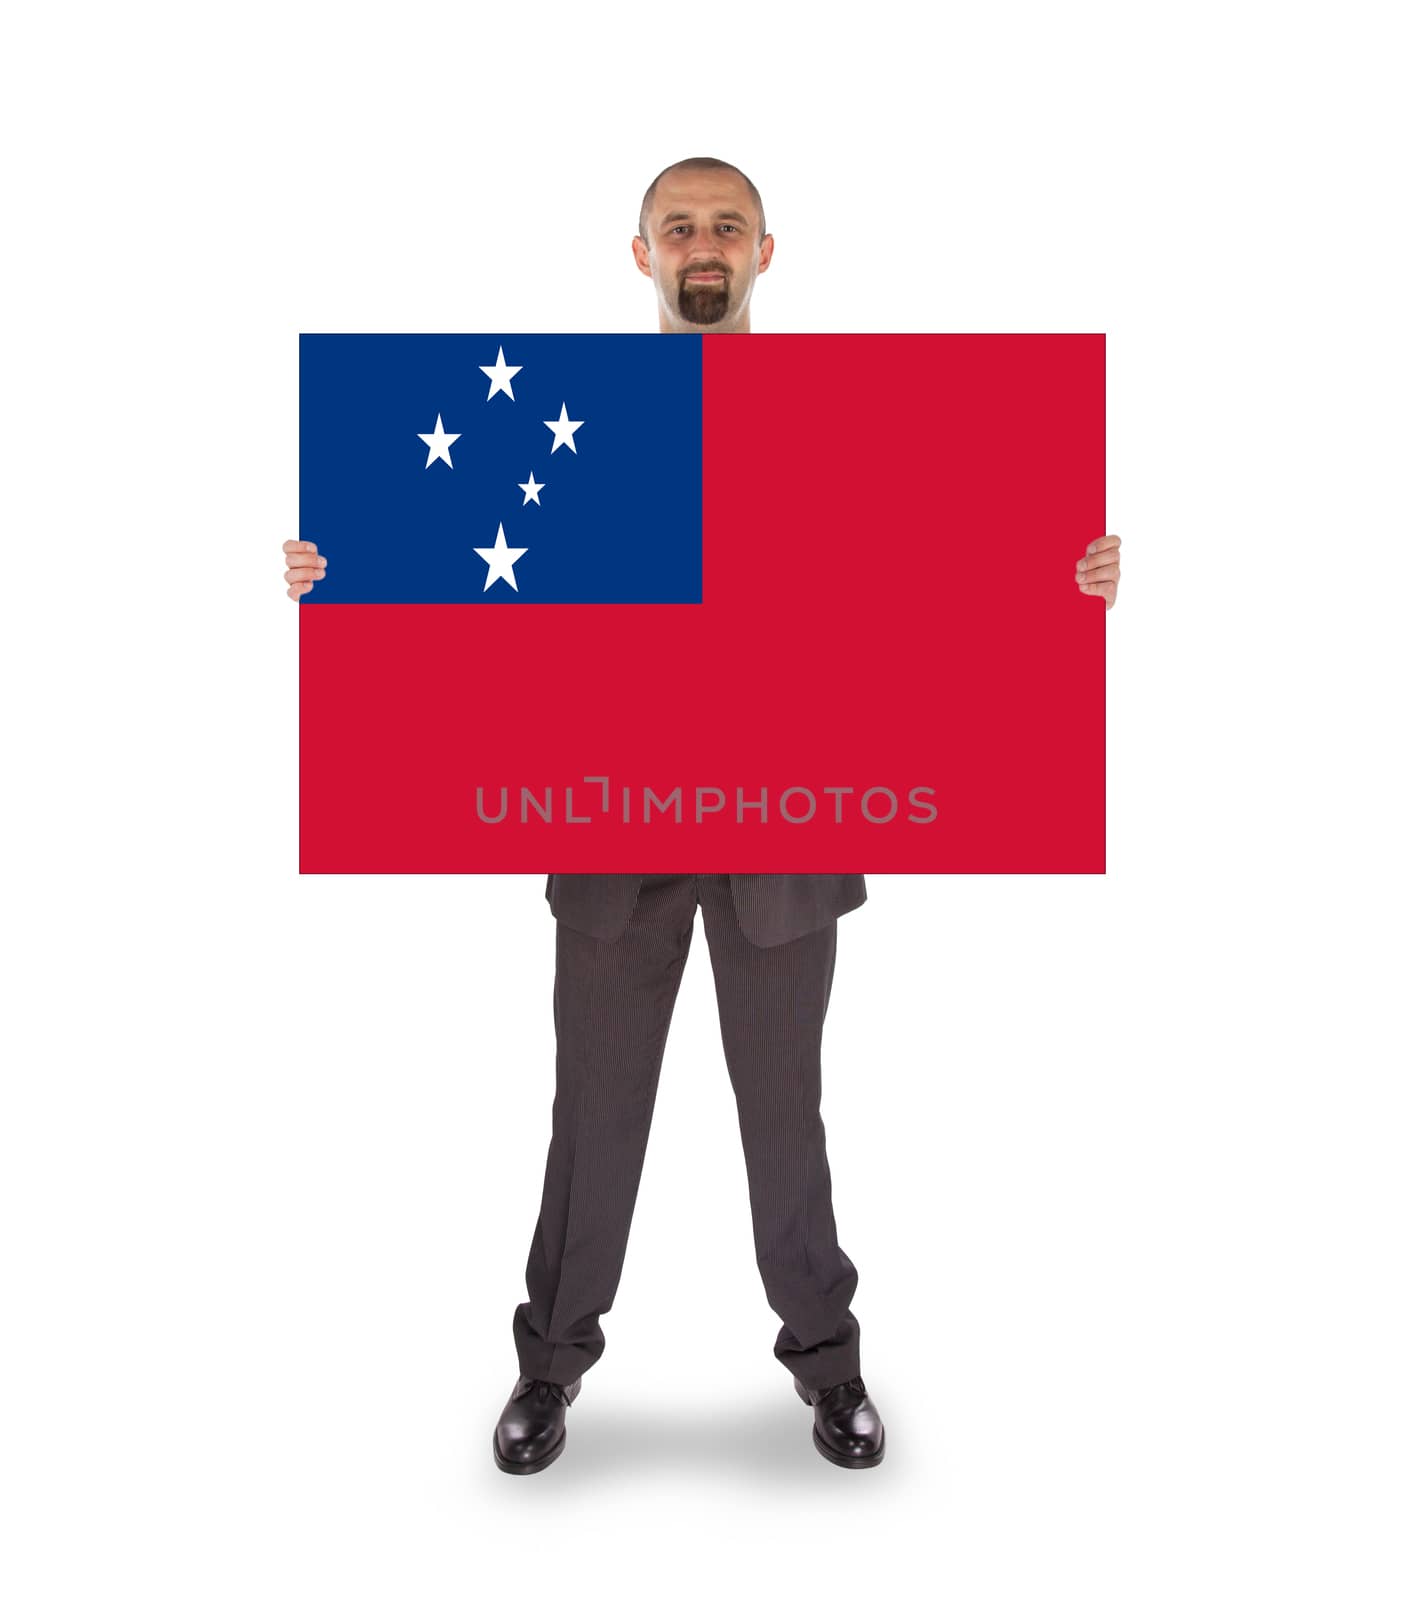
point(1099, 570)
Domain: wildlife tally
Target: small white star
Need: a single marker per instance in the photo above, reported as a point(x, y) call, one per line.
point(531, 490)
point(438, 443)
point(563, 428)
point(500, 557)
point(502, 376)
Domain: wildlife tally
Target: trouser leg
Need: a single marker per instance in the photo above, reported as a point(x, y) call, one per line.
point(772, 1005)
point(612, 1003)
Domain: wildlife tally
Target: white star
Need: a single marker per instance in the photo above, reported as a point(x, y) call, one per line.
point(531, 490)
point(563, 428)
point(438, 443)
point(502, 376)
point(500, 557)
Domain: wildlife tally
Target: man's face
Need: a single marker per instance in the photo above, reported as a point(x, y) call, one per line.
point(704, 248)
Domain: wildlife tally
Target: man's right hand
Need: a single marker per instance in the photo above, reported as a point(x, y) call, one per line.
point(305, 566)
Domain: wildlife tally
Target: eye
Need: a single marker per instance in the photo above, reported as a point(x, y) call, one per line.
point(731, 225)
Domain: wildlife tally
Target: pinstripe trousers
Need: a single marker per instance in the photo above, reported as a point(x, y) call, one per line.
point(613, 1002)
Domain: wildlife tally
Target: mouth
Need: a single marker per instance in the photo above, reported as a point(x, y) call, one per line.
point(704, 277)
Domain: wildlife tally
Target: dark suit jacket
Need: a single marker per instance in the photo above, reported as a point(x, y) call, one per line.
point(772, 907)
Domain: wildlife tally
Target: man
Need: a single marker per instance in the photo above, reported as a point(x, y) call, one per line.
point(621, 944)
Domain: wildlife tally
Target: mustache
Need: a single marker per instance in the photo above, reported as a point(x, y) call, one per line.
point(694, 270)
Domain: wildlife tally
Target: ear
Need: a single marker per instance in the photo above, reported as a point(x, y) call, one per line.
point(641, 256)
point(767, 245)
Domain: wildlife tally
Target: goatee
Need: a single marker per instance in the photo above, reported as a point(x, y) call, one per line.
point(704, 303)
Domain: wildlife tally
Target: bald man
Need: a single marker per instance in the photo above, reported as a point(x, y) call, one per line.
point(622, 941)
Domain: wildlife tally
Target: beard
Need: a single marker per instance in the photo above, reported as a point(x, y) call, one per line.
point(704, 303)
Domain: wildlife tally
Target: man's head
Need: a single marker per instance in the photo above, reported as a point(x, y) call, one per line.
point(702, 239)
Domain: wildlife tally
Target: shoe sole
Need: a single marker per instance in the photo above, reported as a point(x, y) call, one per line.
point(519, 1468)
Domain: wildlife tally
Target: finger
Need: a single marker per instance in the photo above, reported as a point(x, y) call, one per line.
point(303, 575)
point(299, 547)
point(311, 566)
point(1107, 590)
point(1109, 541)
point(1103, 560)
point(297, 590)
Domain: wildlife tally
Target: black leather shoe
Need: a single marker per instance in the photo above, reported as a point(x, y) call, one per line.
point(531, 1431)
point(848, 1430)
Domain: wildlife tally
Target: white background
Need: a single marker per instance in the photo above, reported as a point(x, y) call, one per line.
point(1118, 1159)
